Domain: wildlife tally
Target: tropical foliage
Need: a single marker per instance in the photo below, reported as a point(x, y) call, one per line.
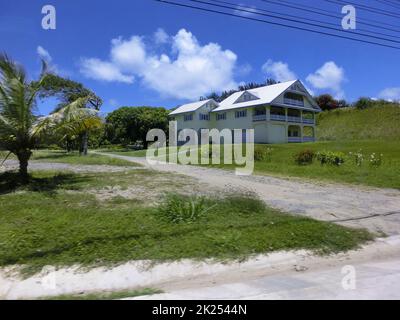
point(128, 125)
point(20, 129)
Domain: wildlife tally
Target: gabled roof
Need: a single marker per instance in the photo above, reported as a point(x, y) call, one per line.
point(191, 107)
point(265, 94)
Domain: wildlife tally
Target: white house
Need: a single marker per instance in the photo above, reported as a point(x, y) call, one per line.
point(279, 113)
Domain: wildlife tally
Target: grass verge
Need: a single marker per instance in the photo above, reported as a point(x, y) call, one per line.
point(63, 225)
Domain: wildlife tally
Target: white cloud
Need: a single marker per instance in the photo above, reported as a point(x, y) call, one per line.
point(328, 77)
point(279, 71)
point(192, 71)
point(113, 102)
point(102, 70)
point(391, 94)
point(44, 54)
point(129, 55)
point(245, 10)
point(160, 36)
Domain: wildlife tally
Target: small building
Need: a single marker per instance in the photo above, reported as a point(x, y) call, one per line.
point(279, 113)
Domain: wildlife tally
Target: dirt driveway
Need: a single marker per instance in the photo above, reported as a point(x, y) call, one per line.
point(357, 206)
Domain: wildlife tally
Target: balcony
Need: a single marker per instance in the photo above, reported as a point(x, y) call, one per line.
point(293, 119)
point(294, 139)
point(293, 102)
point(278, 117)
point(309, 121)
point(260, 117)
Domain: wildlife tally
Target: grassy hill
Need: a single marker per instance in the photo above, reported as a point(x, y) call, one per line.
point(375, 123)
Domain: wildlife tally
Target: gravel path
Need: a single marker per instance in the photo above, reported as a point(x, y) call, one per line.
point(357, 206)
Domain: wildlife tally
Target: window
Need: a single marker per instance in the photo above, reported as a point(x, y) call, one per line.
point(241, 114)
point(203, 116)
point(188, 117)
point(221, 116)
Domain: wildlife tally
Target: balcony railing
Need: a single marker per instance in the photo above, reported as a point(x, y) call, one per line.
point(260, 117)
point(278, 117)
point(293, 102)
point(308, 139)
point(309, 121)
point(294, 139)
point(293, 119)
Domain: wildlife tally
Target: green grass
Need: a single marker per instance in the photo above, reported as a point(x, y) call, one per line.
point(106, 295)
point(385, 176)
point(55, 221)
point(380, 122)
point(282, 163)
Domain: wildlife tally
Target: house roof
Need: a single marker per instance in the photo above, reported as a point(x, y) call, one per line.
point(265, 94)
point(190, 107)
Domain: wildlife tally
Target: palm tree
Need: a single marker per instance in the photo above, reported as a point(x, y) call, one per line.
point(20, 129)
point(17, 104)
point(70, 121)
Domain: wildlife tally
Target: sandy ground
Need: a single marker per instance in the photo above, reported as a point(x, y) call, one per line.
point(375, 209)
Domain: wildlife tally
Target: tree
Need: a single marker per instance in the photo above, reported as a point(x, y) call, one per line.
point(20, 130)
point(248, 86)
point(128, 125)
point(326, 102)
point(17, 103)
point(68, 91)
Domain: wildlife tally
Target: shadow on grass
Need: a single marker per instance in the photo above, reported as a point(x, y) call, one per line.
point(10, 181)
point(54, 155)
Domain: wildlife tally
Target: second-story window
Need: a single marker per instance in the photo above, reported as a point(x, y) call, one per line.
point(188, 117)
point(241, 114)
point(203, 116)
point(221, 116)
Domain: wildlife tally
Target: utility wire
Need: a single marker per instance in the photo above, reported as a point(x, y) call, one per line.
point(275, 23)
point(389, 3)
point(328, 13)
point(236, 7)
point(255, 11)
point(366, 8)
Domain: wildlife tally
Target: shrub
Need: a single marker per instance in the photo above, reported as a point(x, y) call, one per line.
point(358, 157)
point(375, 161)
point(262, 154)
point(331, 158)
point(304, 157)
point(363, 103)
point(178, 208)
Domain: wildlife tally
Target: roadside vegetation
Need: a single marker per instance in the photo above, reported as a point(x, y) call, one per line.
point(109, 295)
point(62, 219)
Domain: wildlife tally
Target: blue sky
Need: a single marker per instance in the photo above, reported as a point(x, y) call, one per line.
point(143, 52)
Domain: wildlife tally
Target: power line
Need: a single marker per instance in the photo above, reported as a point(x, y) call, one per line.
point(389, 3)
point(252, 11)
point(276, 23)
point(255, 11)
point(366, 8)
point(328, 13)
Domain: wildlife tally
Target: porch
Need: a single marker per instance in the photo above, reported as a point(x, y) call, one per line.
point(299, 133)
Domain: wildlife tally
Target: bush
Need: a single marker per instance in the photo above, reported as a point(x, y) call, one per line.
point(178, 208)
point(375, 161)
point(358, 158)
point(304, 157)
point(330, 158)
point(262, 154)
